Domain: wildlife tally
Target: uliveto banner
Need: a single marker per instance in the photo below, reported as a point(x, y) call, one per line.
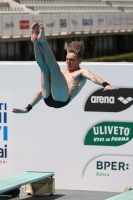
point(110, 134)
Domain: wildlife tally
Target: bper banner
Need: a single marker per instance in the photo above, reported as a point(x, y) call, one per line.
point(109, 168)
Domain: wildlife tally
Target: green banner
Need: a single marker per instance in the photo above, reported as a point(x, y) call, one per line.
point(109, 134)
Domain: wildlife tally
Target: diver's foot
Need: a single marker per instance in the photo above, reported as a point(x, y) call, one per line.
point(41, 36)
point(34, 31)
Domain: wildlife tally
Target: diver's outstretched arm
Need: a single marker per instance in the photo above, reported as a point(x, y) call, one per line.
point(34, 101)
point(96, 79)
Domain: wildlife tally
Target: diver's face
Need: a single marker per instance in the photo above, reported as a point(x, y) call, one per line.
point(72, 62)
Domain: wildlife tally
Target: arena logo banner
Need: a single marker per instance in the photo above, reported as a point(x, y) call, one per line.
point(110, 100)
point(109, 134)
point(6, 149)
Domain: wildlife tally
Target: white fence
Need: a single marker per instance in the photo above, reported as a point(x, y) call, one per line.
point(19, 25)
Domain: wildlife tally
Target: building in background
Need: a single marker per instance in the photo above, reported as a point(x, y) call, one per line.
point(105, 27)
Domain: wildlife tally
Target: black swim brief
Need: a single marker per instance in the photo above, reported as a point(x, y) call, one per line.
point(55, 104)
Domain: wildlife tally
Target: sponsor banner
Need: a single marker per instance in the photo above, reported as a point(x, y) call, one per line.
point(117, 21)
point(109, 134)
point(48, 24)
point(64, 23)
point(78, 18)
point(73, 23)
point(6, 135)
point(7, 25)
point(102, 21)
point(124, 21)
point(87, 22)
point(56, 23)
point(106, 169)
point(95, 18)
point(130, 21)
point(109, 22)
point(25, 24)
point(110, 101)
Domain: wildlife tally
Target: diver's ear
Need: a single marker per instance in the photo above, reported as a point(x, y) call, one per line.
point(80, 60)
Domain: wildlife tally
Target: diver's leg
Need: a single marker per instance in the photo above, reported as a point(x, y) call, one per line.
point(59, 87)
point(45, 72)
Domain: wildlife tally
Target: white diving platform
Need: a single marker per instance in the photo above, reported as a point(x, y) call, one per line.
point(124, 196)
point(40, 180)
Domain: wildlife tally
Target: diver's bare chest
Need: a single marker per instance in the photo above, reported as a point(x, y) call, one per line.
point(72, 77)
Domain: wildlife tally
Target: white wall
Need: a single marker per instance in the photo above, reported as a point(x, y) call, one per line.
point(52, 140)
point(19, 25)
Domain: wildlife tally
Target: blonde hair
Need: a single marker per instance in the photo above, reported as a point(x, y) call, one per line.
point(76, 48)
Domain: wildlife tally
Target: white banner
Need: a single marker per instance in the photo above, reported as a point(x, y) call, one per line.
point(73, 23)
point(124, 21)
point(56, 23)
point(102, 21)
point(130, 21)
point(48, 24)
point(95, 26)
point(7, 25)
point(109, 169)
point(117, 21)
point(78, 18)
point(6, 135)
point(17, 31)
point(109, 22)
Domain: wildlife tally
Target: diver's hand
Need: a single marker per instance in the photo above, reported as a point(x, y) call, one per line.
point(110, 87)
point(20, 110)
